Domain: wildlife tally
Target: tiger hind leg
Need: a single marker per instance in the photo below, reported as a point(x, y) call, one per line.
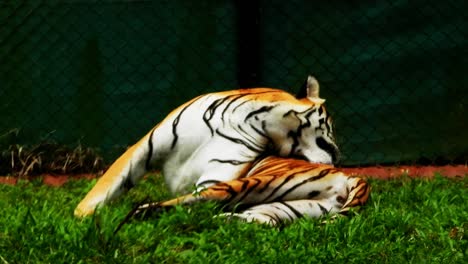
point(277, 213)
point(348, 192)
point(122, 175)
point(287, 211)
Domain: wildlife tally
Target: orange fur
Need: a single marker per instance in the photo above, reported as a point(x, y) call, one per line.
point(272, 178)
point(218, 137)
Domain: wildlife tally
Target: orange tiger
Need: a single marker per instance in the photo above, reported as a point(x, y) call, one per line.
point(278, 190)
point(218, 137)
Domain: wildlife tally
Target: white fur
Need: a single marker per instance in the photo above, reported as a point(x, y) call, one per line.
point(188, 161)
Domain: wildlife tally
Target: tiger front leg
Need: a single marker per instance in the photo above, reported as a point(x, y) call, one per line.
point(207, 189)
point(154, 209)
point(222, 192)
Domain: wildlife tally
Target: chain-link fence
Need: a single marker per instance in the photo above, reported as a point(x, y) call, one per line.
point(102, 73)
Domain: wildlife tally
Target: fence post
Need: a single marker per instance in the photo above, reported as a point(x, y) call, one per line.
point(248, 43)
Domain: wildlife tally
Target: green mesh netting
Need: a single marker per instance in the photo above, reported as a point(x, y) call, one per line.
point(102, 73)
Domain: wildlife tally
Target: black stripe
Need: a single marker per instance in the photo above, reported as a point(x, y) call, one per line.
point(210, 182)
point(150, 146)
point(210, 111)
point(230, 103)
point(330, 148)
point(276, 218)
point(257, 182)
point(307, 118)
point(239, 105)
point(344, 213)
point(313, 194)
point(176, 122)
point(262, 132)
point(297, 213)
point(270, 140)
point(233, 162)
point(238, 141)
point(320, 111)
point(245, 183)
point(291, 218)
point(288, 179)
point(322, 174)
point(229, 189)
point(321, 121)
point(364, 192)
point(247, 136)
point(323, 209)
point(278, 187)
point(127, 184)
point(249, 100)
point(263, 109)
point(295, 137)
point(311, 111)
point(289, 112)
point(273, 217)
point(267, 185)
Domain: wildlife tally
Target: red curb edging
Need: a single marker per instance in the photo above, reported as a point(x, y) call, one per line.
point(8, 180)
point(48, 179)
point(381, 172)
point(376, 172)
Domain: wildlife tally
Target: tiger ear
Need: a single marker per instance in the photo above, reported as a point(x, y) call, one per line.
point(310, 89)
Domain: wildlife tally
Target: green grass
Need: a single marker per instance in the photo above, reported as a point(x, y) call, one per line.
point(406, 221)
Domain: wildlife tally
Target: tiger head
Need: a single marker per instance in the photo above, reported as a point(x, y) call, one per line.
point(311, 135)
